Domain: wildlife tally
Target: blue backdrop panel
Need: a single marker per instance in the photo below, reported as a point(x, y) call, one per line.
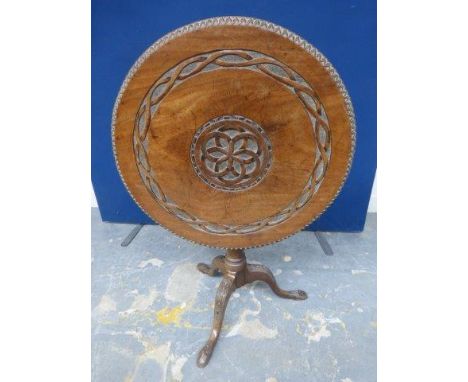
point(344, 31)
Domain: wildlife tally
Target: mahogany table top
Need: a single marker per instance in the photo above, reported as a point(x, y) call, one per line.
point(233, 132)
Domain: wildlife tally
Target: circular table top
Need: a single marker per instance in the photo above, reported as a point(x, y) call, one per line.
point(233, 132)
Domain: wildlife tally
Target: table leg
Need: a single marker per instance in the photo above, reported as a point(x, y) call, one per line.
point(225, 289)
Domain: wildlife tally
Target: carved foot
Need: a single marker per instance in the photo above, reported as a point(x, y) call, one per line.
point(256, 272)
point(216, 268)
point(225, 289)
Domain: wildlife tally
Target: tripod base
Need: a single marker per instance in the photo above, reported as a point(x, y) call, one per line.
point(236, 273)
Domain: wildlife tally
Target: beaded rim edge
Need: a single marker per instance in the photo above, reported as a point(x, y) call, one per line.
point(251, 22)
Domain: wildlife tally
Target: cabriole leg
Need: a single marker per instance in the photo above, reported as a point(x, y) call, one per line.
point(217, 267)
point(256, 272)
point(225, 289)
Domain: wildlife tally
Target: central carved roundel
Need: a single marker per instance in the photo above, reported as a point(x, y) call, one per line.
point(231, 153)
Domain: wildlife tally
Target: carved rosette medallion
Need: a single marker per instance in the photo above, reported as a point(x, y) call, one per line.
point(231, 153)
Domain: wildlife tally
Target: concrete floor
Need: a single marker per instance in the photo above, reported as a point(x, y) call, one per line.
point(152, 310)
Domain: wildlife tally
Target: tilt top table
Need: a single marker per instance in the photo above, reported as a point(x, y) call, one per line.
point(234, 133)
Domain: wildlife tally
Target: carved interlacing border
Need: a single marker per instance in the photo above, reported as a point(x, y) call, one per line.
point(218, 60)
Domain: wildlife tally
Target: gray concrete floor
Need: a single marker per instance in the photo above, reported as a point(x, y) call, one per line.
point(152, 310)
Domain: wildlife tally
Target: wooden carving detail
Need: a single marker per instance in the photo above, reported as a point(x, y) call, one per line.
point(231, 153)
point(218, 60)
